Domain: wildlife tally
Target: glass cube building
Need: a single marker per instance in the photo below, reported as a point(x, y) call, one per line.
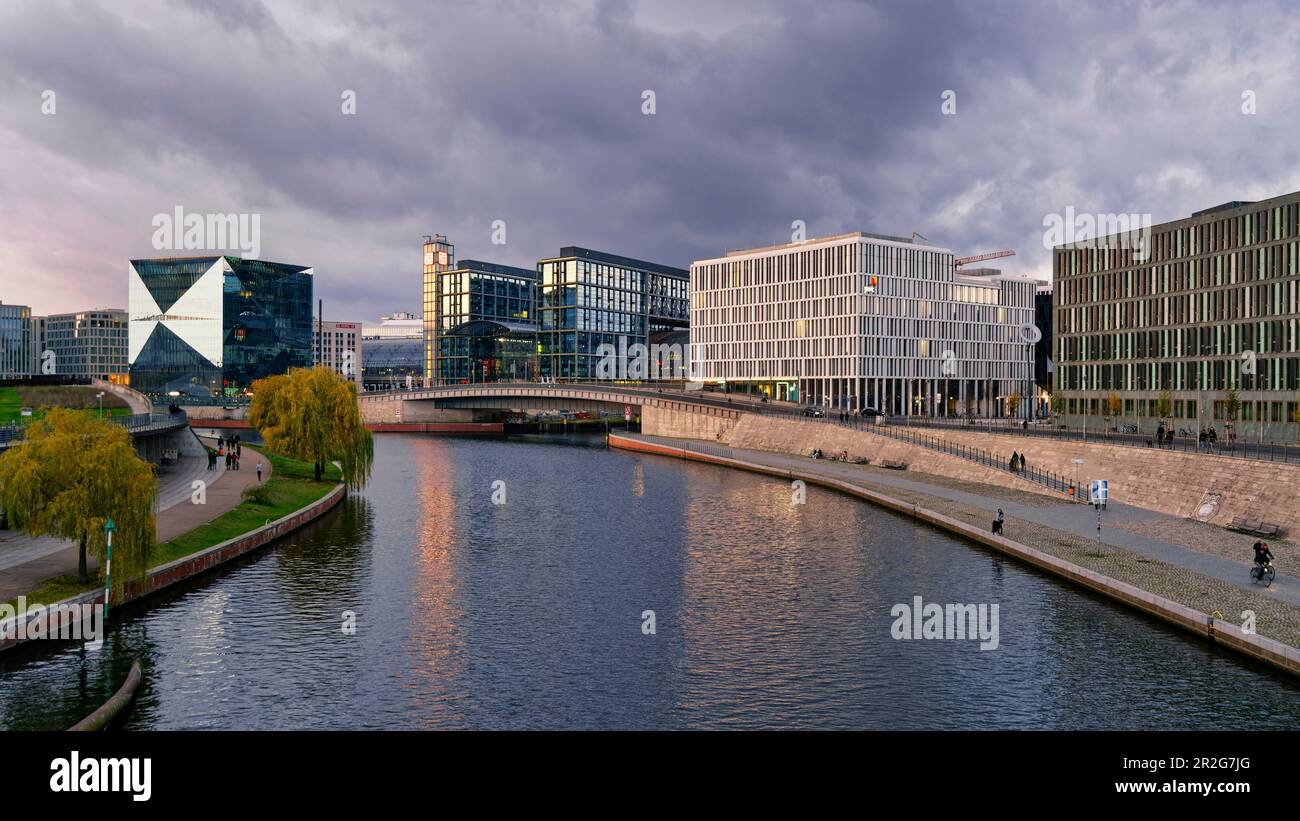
point(210, 326)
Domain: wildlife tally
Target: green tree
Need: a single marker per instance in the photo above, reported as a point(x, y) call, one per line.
point(69, 476)
point(1114, 404)
point(1164, 404)
point(311, 414)
point(1013, 404)
point(1232, 405)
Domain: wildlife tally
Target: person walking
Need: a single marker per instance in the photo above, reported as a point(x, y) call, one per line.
point(227, 460)
point(1015, 461)
point(259, 471)
point(1160, 435)
point(997, 523)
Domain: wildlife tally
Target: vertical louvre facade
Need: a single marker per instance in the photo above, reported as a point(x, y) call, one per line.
point(862, 320)
point(1213, 308)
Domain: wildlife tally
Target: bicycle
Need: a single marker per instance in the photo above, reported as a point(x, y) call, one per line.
point(1263, 574)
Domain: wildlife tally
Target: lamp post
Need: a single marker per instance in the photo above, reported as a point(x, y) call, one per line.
point(109, 527)
point(100, 397)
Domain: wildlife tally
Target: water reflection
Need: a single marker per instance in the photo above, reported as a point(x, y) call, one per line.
point(528, 614)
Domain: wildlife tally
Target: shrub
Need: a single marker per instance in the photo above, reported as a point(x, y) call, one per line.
point(260, 494)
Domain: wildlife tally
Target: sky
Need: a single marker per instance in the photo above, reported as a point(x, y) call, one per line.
point(969, 123)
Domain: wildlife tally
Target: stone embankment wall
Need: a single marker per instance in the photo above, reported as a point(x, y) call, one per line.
point(797, 436)
point(1209, 488)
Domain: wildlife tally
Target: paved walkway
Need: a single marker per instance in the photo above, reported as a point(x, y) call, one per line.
point(1077, 519)
point(26, 562)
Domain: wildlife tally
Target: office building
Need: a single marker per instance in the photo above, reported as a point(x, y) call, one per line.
point(392, 356)
point(337, 346)
point(479, 318)
point(1199, 313)
point(17, 352)
point(589, 299)
point(213, 325)
point(88, 344)
point(863, 320)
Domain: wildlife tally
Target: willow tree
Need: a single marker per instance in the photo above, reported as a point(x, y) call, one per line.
point(311, 414)
point(69, 476)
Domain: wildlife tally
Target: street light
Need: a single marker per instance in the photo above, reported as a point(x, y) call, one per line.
point(100, 397)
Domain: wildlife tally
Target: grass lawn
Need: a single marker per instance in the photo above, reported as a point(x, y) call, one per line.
point(39, 397)
point(290, 488)
point(55, 590)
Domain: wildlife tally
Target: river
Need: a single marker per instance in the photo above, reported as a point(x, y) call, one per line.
point(532, 613)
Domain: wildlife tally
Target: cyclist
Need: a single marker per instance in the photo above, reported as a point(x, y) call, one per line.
point(1262, 556)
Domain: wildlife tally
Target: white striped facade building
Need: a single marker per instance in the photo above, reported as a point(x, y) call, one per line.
point(860, 321)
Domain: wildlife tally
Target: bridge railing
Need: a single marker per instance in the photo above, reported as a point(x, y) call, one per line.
point(134, 423)
point(1127, 435)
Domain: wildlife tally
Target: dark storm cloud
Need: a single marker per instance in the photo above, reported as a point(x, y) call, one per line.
point(826, 112)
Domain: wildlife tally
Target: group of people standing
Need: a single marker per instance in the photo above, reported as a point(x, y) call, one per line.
point(230, 448)
point(1017, 462)
point(1206, 439)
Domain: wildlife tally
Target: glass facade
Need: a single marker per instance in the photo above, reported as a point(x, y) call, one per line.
point(214, 325)
point(387, 362)
point(589, 298)
point(480, 318)
point(17, 355)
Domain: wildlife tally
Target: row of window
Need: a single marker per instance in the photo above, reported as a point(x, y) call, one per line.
point(1270, 374)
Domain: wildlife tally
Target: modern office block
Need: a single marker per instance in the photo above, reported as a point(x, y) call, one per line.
point(863, 320)
point(1198, 324)
point(213, 325)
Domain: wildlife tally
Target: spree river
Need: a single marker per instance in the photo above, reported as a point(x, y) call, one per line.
point(529, 614)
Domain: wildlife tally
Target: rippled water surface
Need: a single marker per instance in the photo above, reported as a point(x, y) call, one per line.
point(528, 614)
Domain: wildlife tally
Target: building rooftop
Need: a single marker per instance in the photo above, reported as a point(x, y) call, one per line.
point(573, 251)
point(1227, 206)
point(493, 268)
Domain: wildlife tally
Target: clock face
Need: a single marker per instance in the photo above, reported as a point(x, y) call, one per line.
point(428, 257)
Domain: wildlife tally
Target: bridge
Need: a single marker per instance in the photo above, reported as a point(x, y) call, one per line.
point(666, 411)
point(152, 432)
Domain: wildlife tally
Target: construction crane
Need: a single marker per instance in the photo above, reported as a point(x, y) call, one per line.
point(960, 261)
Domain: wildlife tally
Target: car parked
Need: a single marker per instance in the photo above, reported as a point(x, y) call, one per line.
point(811, 411)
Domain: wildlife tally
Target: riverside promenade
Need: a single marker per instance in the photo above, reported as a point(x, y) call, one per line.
point(1185, 570)
point(26, 562)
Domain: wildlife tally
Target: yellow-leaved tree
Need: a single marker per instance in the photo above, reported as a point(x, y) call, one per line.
point(311, 414)
point(70, 475)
